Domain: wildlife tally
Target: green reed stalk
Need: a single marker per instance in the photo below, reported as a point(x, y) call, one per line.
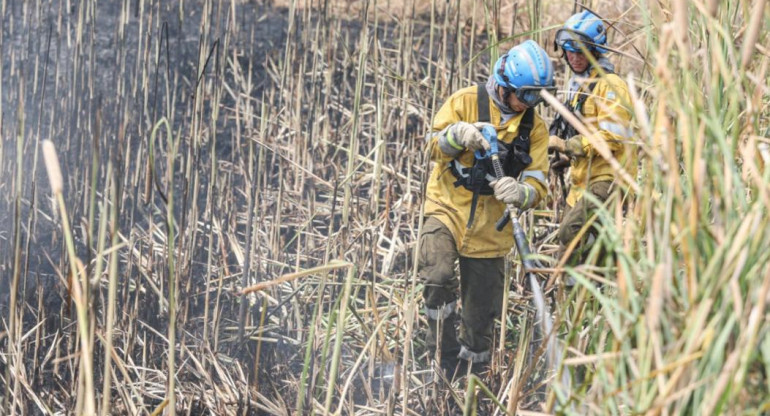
point(353, 147)
point(471, 399)
point(313, 324)
point(112, 288)
point(341, 322)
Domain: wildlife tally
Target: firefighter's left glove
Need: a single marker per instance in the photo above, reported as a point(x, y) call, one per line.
point(512, 192)
point(466, 135)
point(572, 147)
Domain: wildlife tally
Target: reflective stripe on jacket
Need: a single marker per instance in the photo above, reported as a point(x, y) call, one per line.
point(451, 205)
point(606, 109)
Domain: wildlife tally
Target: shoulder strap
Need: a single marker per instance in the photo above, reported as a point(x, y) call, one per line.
point(483, 102)
point(526, 124)
point(583, 96)
point(516, 157)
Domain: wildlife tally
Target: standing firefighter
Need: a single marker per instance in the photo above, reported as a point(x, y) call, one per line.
point(600, 98)
point(462, 206)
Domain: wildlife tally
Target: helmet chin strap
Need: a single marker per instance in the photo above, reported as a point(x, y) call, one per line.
point(499, 101)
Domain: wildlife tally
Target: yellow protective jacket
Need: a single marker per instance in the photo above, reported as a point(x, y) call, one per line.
point(606, 109)
point(451, 205)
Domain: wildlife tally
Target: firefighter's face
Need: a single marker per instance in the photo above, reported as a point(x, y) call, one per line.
point(512, 101)
point(577, 61)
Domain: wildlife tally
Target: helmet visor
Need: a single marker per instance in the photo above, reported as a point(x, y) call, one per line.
point(573, 41)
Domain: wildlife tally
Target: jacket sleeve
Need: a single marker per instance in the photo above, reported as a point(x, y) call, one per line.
point(613, 117)
point(536, 172)
point(439, 139)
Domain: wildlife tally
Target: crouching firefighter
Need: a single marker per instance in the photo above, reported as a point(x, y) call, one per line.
point(463, 202)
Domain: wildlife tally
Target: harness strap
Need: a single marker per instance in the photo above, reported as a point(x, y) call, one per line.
point(474, 202)
point(559, 126)
point(527, 124)
point(463, 174)
point(583, 96)
point(482, 105)
point(482, 97)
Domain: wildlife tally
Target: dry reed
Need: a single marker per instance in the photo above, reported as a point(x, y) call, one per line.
point(260, 259)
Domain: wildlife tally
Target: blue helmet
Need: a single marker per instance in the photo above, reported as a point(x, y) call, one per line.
point(525, 65)
point(525, 70)
point(582, 28)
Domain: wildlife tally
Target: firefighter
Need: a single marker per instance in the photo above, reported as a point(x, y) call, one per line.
point(463, 201)
point(596, 95)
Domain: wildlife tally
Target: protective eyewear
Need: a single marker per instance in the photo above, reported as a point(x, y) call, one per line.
point(529, 96)
point(573, 41)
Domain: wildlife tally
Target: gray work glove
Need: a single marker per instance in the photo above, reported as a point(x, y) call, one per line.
point(572, 147)
point(468, 136)
point(512, 192)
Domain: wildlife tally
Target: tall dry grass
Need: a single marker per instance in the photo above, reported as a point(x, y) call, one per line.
point(257, 256)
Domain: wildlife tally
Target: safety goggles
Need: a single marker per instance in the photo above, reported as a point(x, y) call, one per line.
point(529, 96)
point(572, 41)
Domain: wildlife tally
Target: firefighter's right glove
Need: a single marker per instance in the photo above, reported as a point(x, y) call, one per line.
point(466, 135)
point(512, 192)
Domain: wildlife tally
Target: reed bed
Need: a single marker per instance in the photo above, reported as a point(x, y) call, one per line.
point(233, 223)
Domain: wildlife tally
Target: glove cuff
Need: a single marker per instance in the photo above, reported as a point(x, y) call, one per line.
point(527, 196)
point(447, 143)
point(450, 138)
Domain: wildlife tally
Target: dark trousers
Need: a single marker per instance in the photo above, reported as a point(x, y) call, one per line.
point(481, 287)
point(576, 217)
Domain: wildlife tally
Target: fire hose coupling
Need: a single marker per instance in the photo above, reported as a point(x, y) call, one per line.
point(490, 135)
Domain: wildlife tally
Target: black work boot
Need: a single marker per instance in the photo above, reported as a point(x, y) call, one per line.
point(442, 343)
point(442, 335)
